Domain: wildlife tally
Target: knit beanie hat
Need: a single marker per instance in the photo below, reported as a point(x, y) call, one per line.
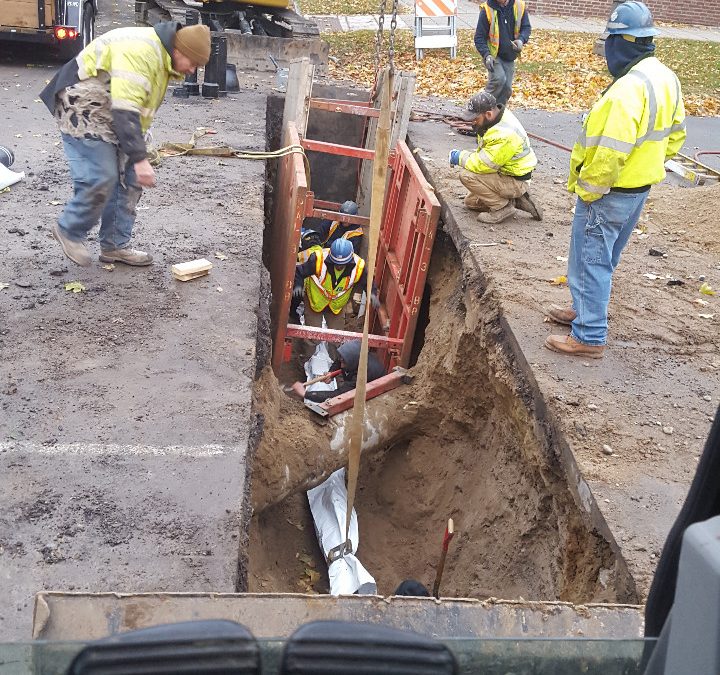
point(194, 42)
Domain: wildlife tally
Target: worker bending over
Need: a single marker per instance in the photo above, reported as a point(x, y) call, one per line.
point(503, 29)
point(636, 125)
point(348, 360)
point(326, 283)
point(498, 172)
point(330, 230)
point(104, 102)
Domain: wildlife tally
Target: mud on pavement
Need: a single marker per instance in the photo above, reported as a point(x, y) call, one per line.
point(126, 408)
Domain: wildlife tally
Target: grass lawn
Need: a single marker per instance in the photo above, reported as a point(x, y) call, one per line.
point(557, 71)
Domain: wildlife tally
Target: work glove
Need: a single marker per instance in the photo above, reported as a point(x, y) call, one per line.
point(454, 157)
point(517, 45)
point(490, 62)
point(298, 292)
point(374, 300)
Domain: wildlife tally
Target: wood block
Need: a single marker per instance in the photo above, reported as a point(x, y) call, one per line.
point(24, 14)
point(191, 269)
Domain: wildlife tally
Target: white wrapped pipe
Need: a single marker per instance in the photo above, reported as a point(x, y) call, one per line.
point(8, 177)
point(328, 503)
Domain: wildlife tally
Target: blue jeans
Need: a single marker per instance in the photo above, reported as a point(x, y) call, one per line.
point(500, 80)
point(600, 231)
point(99, 193)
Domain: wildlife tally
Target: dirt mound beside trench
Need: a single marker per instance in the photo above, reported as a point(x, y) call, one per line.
point(469, 448)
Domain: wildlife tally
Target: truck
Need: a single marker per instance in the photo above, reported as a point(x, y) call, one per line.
point(64, 25)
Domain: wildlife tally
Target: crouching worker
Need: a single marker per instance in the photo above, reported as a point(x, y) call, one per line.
point(326, 283)
point(104, 102)
point(348, 361)
point(330, 230)
point(498, 172)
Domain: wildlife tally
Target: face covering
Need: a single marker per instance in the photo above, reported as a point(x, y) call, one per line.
point(620, 53)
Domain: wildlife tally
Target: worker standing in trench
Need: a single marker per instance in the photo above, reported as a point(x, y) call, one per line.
point(498, 172)
point(636, 125)
point(104, 102)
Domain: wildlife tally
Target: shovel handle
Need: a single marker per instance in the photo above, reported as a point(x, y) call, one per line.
point(320, 378)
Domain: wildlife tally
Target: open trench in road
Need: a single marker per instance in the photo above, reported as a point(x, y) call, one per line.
point(469, 439)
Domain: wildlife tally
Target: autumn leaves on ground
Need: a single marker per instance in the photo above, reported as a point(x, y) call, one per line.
point(557, 71)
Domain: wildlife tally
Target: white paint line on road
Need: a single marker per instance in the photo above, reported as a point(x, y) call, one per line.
point(98, 449)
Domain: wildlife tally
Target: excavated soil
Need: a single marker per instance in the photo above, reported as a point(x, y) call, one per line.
point(462, 444)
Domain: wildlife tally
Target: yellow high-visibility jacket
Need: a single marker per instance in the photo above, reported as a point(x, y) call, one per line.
point(504, 148)
point(319, 287)
point(637, 124)
point(139, 67)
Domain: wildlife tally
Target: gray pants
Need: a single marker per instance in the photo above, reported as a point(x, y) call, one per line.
point(500, 80)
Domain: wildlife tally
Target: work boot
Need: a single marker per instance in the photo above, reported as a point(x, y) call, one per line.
point(527, 204)
point(129, 256)
point(567, 344)
point(75, 250)
point(497, 216)
point(561, 314)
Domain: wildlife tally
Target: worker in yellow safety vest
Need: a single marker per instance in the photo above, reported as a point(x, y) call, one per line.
point(497, 173)
point(330, 230)
point(326, 282)
point(104, 102)
point(502, 30)
point(635, 126)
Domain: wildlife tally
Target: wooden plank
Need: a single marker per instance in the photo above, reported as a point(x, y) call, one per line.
point(297, 97)
point(24, 13)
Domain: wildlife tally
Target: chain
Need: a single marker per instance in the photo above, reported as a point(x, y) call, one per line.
point(393, 26)
point(379, 37)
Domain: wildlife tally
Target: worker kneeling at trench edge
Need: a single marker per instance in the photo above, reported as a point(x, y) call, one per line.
point(326, 281)
point(348, 360)
point(498, 172)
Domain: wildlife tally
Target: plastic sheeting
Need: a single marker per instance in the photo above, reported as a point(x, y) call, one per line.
point(328, 503)
point(8, 177)
point(319, 364)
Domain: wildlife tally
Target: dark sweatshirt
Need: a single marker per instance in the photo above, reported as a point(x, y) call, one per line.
point(506, 26)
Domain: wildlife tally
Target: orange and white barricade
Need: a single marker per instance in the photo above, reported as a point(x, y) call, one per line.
point(431, 32)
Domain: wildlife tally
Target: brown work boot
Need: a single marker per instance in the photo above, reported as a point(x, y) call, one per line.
point(129, 256)
point(527, 204)
point(567, 344)
point(561, 314)
point(75, 250)
point(494, 217)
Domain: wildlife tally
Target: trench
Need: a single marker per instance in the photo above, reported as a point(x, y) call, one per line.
point(463, 441)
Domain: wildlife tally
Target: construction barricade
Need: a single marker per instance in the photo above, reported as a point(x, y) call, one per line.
point(435, 26)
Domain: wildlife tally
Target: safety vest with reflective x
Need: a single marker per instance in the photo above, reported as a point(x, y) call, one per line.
point(493, 42)
point(348, 234)
point(637, 124)
point(320, 289)
point(504, 148)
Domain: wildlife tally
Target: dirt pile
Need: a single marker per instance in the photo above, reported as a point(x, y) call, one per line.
point(475, 451)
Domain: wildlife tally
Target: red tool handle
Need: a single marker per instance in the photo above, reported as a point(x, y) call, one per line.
point(449, 533)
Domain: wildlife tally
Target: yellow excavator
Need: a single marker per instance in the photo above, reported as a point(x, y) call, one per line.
point(273, 18)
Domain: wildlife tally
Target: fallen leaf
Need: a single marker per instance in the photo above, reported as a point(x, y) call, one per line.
point(109, 267)
point(558, 281)
point(306, 560)
point(74, 287)
point(706, 289)
point(4, 286)
point(701, 302)
point(220, 256)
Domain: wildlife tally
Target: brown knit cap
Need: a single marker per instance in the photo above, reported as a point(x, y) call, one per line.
point(194, 42)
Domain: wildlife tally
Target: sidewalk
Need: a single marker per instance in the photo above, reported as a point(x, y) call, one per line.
point(467, 19)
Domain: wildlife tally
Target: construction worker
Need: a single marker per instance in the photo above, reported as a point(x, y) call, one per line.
point(498, 172)
point(326, 283)
point(330, 230)
point(503, 29)
point(636, 125)
point(104, 102)
point(310, 242)
point(348, 360)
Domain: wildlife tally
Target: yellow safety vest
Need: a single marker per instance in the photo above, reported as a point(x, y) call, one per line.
point(357, 232)
point(505, 149)
point(319, 288)
point(637, 124)
point(494, 30)
point(304, 256)
point(139, 68)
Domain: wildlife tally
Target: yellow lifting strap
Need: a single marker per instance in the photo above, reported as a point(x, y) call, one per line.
point(377, 201)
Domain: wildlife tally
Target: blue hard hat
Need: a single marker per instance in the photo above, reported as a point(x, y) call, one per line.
point(349, 207)
point(631, 18)
point(341, 252)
